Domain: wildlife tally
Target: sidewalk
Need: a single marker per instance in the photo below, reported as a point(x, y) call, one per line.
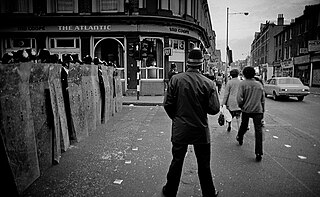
point(130, 156)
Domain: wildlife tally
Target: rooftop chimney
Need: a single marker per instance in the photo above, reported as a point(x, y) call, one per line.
point(280, 19)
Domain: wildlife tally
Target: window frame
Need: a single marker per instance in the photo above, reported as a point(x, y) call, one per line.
point(52, 7)
point(160, 75)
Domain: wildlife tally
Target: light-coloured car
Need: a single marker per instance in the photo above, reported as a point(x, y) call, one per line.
point(286, 87)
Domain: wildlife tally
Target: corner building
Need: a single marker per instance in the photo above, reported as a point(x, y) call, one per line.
point(142, 37)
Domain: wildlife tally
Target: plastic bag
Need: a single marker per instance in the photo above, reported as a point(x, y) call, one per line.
point(226, 113)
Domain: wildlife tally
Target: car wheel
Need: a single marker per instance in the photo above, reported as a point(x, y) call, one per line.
point(265, 95)
point(300, 98)
point(274, 96)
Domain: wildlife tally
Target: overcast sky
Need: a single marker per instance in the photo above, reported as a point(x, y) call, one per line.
point(241, 27)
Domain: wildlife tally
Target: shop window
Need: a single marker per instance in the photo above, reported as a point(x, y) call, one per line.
point(178, 53)
point(152, 58)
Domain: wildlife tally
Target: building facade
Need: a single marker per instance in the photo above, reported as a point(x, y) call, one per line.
point(298, 47)
point(142, 37)
point(262, 48)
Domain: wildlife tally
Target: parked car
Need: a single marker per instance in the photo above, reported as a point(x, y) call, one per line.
point(286, 87)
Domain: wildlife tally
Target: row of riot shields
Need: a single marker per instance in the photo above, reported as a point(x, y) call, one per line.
point(44, 108)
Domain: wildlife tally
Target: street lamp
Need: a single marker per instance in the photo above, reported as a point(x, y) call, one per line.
point(227, 60)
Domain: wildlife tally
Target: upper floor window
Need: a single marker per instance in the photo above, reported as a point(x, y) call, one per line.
point(65, 5)
point(143, 3)
point(108, 5)
point(16, 6)
point(62, 6)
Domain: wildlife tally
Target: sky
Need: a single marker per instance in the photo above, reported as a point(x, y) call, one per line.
point(242, 28)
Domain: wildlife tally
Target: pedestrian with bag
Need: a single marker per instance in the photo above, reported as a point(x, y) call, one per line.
point(188, 100)
point(230, 97)
point(251, 100)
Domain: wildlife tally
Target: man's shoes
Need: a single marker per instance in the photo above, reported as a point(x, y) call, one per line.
point(166, 193)
point(240, 140)
point(258, 157)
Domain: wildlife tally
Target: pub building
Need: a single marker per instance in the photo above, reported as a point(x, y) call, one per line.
point(141, 37)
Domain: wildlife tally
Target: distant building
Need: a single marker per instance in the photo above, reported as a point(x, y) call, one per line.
point(150, 33)
point(262, 48)
point(298, 47)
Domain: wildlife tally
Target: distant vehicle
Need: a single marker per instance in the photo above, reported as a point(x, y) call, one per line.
point(286, 87)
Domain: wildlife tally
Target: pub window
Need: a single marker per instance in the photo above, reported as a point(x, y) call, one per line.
point(64, 43)
point(18, 43)
point(152, 58)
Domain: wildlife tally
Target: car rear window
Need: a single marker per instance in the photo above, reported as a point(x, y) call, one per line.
point(290, 81)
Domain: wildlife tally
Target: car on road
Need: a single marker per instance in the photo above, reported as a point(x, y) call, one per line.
point(286, 87)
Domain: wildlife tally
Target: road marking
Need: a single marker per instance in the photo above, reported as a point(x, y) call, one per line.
point(136, 148)
point(139, 139)
point(287, 145)
point(275, 137)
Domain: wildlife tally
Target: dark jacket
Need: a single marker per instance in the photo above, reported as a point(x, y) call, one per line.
point(189, 98)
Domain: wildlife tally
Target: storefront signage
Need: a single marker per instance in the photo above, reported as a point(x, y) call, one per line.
point(314, 45)
point(287, 64)
point(179, 30)
point(301, 59)
point(32, 28)
point(85, 28)
point(303, 50)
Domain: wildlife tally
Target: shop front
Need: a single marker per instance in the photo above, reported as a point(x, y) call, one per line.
point(136, 50)
point(302, 68)
point(287, 68)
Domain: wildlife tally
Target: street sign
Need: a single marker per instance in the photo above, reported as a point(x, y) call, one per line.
point(167, 51)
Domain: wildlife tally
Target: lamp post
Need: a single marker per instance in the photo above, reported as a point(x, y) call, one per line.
point(227, 41)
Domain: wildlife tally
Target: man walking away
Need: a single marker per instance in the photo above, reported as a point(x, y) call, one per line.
point(251, 100)
point(190, 97)
point(230, 97)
